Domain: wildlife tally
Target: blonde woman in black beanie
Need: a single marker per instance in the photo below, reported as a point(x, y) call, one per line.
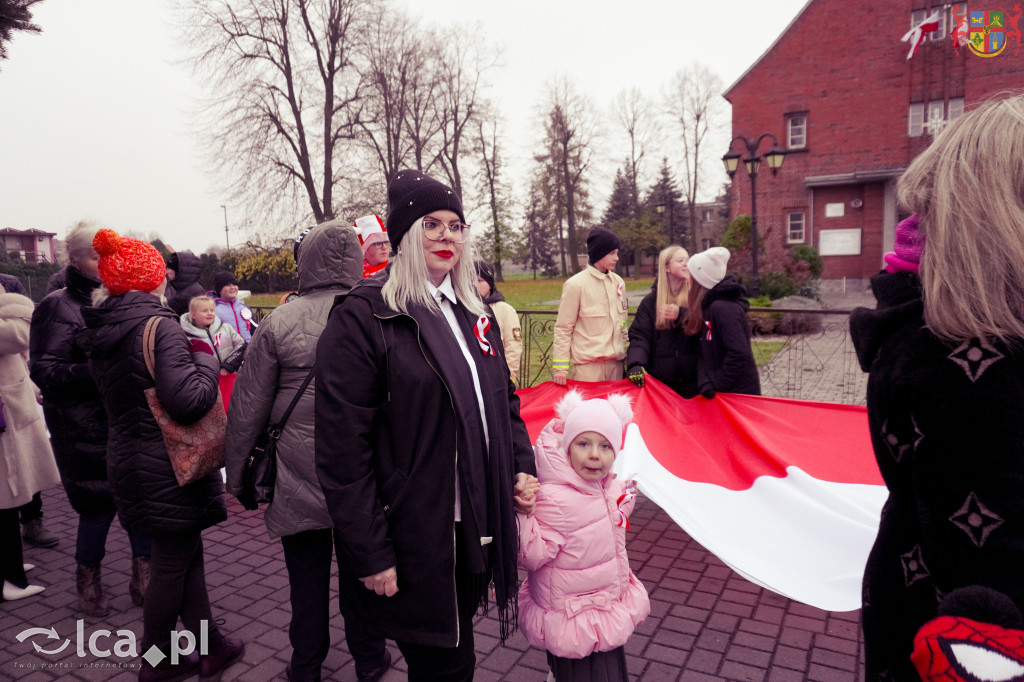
point(420, 450)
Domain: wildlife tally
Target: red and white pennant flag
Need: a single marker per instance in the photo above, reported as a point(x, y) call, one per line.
point(786, 492)
point(916, 34)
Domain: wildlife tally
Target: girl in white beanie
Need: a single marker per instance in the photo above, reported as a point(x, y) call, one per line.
point(718, 313)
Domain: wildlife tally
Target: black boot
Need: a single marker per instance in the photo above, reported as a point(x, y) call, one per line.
point(35, 534)
point(222, 653)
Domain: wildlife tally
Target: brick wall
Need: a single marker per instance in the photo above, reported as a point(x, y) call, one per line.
point(843, 64)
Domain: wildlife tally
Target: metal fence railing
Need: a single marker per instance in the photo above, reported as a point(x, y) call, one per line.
point(809, 354)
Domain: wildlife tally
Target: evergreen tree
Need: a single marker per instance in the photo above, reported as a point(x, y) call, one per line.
point(15, 15)
point(672, 217)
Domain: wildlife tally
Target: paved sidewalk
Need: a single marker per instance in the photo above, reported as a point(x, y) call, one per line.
point(707, 622)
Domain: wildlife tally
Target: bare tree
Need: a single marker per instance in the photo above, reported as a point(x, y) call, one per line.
point(395, 72)
point(492, 174)
point(461, 80)
point(695, 104)
point(635, 114)
point(570, 132)
point(281, 91)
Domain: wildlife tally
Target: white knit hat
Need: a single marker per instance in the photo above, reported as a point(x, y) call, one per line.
point(370, 229)
point(708, 267)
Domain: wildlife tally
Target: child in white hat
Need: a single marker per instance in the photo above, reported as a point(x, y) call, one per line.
point(718, 313)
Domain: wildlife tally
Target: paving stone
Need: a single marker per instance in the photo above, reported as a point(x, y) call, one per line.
point(704, 661)
point(748, 656)
point(732, 670)
point(660, 672)
point(665, 654)
point(790, 657)
point(818, 673)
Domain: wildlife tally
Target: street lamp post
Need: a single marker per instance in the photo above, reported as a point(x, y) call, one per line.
point(227, 242)
point(662, 209)
point(774, 157)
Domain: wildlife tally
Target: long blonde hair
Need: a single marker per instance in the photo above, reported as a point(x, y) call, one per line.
point(665, 295)
point(407, 283)
point(968, 188)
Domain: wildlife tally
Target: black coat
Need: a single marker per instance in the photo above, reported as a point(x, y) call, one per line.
point(71, 402)
point(396, 417)
point(185, 286)
point(57, 280)
point(147, 494)
point(726, 361)
point(12, 285)
point(947, 431)
point(668, 355)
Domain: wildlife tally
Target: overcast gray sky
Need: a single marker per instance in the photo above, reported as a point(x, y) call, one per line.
point(93, 111)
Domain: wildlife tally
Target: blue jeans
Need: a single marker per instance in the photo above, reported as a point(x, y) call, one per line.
point(91, 545)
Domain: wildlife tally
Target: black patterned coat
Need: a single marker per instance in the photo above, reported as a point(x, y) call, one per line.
point(947, 431)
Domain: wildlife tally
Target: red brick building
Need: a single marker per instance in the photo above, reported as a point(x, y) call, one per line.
point(837, 90)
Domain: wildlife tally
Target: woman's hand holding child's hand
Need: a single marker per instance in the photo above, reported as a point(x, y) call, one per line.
point(525, 493)
point(385, 582)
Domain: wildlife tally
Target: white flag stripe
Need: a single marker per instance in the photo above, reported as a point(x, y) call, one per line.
point(801, 537)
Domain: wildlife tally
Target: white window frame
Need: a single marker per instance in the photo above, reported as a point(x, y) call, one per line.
point(705, 244)
point(791, 234)
point(708, 215)
point(796, 133)
point(955, 109)
point(936, 112)
point(939, 34)
point(915, 119)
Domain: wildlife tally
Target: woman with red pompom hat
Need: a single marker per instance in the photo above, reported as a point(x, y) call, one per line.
point(148, 497)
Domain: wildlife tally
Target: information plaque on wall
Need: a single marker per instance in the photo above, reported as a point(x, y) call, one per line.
point(839, 242)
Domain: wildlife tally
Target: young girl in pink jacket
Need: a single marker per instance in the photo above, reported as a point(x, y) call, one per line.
point(580, 601)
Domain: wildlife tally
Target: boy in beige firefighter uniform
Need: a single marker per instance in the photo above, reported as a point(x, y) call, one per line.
point(590, 332)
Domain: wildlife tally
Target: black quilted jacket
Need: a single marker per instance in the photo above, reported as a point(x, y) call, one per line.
point(71, 402)
point(668, 355)
point(148, 497)
point(185, 286)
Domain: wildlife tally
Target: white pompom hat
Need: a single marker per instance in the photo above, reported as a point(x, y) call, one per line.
point(708, 267)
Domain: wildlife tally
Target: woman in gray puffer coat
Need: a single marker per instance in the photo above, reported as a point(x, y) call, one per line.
point(278, 359)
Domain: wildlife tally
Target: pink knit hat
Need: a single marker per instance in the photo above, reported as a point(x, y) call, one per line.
point(608, 417)
point(909, 247)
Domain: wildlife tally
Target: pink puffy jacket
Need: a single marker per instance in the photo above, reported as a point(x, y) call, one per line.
point(580, 596)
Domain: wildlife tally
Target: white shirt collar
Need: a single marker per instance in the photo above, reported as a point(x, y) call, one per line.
point(446, 289)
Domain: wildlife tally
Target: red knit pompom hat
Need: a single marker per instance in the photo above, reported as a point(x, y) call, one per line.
point(127, 264)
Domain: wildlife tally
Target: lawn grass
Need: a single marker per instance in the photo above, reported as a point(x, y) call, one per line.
point(525, 293)
point(764, 351)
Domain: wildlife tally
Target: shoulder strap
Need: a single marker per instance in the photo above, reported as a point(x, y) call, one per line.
point(149, 343)
point(295, 399)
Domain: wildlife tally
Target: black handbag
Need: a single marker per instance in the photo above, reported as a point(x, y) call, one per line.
point(259, 474)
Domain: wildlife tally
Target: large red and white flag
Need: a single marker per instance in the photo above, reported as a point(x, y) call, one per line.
point(786, 492)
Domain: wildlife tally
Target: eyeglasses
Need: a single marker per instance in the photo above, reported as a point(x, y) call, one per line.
point(434, 230)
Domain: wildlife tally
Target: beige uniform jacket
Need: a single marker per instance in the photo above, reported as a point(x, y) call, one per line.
point(591, 324)
point(511, 335)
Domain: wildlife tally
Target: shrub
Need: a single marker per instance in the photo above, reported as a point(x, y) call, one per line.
point(763, 323)
point(777, 284)
point(737, 235)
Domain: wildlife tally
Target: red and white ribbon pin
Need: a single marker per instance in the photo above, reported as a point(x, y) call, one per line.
point(483, 325)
